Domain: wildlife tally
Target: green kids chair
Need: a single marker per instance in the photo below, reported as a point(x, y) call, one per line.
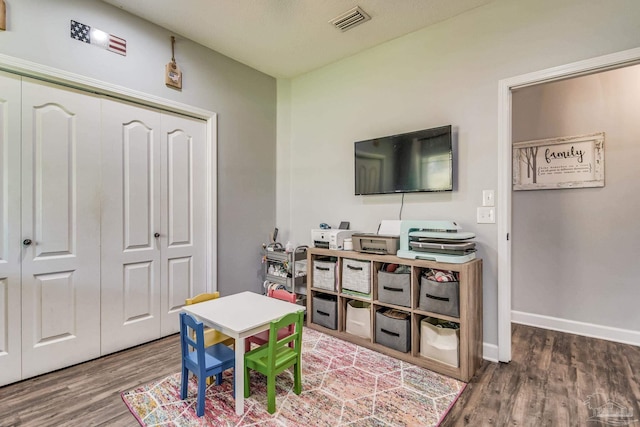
point(274, 357)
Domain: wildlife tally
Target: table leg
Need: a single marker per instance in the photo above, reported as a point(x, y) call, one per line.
point(239, 346)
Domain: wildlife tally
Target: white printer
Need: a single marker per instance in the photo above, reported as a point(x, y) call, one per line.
point(330, 238)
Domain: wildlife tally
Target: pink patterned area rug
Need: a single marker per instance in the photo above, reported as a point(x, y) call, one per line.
point(343, 384)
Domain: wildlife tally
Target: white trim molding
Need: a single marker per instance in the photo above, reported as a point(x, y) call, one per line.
point(505, 86)
point(625, 336)
point(54, 75)
point(490, 352)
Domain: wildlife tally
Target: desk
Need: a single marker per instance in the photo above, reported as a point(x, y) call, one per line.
point(240, 316)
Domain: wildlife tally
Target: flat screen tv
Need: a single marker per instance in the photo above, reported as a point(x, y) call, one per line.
point(405, 163)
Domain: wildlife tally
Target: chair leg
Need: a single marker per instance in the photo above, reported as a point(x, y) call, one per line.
point(297, 378)
point(184, 383)
point(219, 379)
point(247, 391)
point(271, 393)
point(201, 392)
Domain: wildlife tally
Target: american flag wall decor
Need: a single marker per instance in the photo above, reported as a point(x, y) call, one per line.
point(96, 37)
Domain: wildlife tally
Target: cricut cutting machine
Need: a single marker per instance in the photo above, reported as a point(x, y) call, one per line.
point(441, 241)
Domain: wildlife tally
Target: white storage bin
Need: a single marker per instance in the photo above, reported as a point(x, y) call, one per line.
point(440, 344)
point(356, 276)
point(324, 275)
point(359, 318)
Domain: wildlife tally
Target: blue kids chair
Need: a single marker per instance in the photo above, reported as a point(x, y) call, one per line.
point(202, 362)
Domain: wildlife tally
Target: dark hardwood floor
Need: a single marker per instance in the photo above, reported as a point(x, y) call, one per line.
point(554, 379)
point(88, 394)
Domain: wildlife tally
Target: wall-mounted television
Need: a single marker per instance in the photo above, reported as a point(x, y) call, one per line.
point(405, 163)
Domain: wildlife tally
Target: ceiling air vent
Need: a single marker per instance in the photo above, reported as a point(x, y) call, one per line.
point(350, 19)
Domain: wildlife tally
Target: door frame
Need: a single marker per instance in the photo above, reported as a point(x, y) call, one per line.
point(53, 75)
point(505, 87)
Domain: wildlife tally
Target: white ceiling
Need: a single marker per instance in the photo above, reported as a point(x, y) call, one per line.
point(285, 38)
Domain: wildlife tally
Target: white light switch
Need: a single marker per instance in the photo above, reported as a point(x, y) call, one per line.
point(487, 215)
point(488, 198)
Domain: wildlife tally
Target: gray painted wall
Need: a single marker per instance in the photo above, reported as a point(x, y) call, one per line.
point(575, 251)
point(444, 74)
point(245, 100)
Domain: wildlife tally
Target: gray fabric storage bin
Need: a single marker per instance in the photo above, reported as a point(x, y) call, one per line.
point(394, 288)
point(356, 275)
point(393, 333)
point(324, 275)
point(439, 297)
point(325, 311)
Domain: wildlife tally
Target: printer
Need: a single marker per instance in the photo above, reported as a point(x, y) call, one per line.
point(330, 238)
point(385, 242)
point(441, 241)
point(380, 244)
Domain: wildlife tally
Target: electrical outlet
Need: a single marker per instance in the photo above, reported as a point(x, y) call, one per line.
point(488, 198)
point(486, 215)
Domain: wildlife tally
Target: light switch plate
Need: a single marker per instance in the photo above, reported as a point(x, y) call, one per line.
point(488, 198)
point(486, 215)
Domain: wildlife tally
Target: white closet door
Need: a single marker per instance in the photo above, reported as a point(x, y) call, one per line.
point(184, 207)
point(130, 221)
point(10, 238)
point(60, 215)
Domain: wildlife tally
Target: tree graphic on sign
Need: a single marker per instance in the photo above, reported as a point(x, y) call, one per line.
point(528, 157)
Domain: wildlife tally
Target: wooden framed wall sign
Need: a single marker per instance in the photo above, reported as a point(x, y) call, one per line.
point(565, 162)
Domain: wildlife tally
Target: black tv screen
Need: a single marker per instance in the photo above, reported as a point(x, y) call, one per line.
point(405, 163)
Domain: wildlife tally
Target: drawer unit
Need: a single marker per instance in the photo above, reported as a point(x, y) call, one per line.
point(439, 297)
point(356, 276)
point(324, 275)
point(359, 318)
point(394, 288)
point(393, 332)
point(325, 310)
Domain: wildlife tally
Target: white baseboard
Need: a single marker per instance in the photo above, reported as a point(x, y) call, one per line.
point(490, 352)
point(625, 336)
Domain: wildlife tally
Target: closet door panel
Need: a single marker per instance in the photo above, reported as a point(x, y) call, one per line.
point(10, 238)
point(60, 216)
point(130, 221)
point(184, 207)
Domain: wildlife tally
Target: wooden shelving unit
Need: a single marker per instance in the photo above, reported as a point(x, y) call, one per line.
point(470, 307)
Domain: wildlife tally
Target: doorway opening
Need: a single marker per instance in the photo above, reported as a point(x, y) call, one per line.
point(504, 219)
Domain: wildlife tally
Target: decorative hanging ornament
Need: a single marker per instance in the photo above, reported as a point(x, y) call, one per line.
point(173, 75)
point(3, 16)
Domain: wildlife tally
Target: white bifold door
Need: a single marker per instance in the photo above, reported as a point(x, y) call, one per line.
point(154, 170)
point(103, 224)
point(10, 234)
point(50, 228)
point(60, 222)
